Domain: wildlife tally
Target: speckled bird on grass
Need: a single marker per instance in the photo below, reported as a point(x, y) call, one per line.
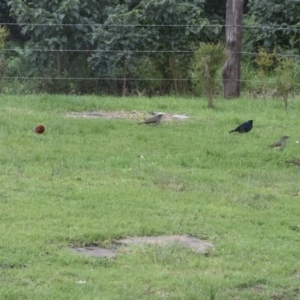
point(279, 145)
point(295, 161)
point(155, 120)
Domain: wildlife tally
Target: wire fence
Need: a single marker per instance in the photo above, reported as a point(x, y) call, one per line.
point(154, 25)
point(135, 51)
point(16, 50)
point(118, 78)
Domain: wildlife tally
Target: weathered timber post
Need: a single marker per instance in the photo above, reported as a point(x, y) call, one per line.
point(231, 73)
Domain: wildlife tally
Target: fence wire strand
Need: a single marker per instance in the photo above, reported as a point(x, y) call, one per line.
point(126, 51)
point(153, 25)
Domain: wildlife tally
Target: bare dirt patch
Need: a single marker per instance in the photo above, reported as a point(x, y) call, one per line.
point(197, 245)
point(96, 251)
point(135, 115)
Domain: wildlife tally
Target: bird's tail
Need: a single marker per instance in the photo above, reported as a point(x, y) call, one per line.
point(232, 131)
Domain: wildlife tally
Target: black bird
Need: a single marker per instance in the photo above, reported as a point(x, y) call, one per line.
point(243, 128)
point(155, 120)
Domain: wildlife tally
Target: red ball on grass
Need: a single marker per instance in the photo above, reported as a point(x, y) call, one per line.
point(39, 129)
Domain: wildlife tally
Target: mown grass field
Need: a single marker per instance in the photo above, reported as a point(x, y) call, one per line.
point(91, 181)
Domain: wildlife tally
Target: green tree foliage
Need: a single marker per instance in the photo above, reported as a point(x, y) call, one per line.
point(112, 38)
point(163, 30)
point(10, 22)
point(117, 42)
point(44, 23)
point(274, 24)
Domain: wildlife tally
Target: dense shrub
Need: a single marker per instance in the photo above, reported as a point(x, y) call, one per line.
point(209, 58)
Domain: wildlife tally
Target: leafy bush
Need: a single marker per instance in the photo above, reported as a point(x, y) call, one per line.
point(145, 69)
point(285, 74)
point(265, 61)
point(209, 58)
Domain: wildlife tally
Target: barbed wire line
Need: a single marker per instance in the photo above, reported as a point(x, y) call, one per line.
point(111, 25)
point(127, 79)
point(151, 25)
point(97, 78)
point(135, 51)
point(257, 53)
point(85, 50)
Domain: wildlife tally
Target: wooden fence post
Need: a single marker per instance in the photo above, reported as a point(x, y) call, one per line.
point(231, 73)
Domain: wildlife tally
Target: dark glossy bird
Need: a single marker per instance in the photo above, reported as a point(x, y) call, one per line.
point(243, 128)
point(279, 145)
point(39, 129)
point(155, 120)
point(295, 162)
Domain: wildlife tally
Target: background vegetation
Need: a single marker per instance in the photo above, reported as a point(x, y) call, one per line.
point(67, 46)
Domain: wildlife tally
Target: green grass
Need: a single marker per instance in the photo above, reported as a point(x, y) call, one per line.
point(95, 180)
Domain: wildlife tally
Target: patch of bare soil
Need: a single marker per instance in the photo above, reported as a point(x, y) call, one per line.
point(197, 245)
point(125, 115)
point(96, 251)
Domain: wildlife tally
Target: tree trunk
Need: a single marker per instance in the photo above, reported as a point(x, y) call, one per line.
point(174, 71)
point(124, 88)
point(231, 73)
point(58, 63)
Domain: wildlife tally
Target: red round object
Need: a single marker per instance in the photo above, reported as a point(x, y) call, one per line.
point(39, 129)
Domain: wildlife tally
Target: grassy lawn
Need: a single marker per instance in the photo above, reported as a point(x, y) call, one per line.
point(88, 181)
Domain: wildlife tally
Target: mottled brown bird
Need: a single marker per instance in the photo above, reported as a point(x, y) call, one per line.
point(155, 120)
point(295, 162)
point(279, 145)
point(39, 129)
